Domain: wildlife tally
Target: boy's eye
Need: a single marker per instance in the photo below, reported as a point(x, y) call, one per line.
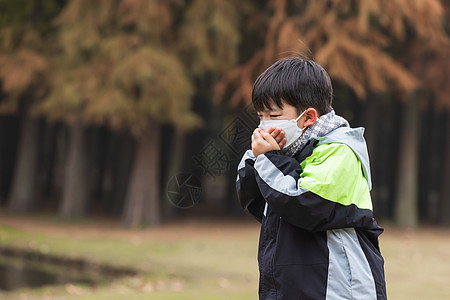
point(274, 116)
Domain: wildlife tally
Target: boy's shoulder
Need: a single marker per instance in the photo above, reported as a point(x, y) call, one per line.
point(345, 135)
point(354, 139)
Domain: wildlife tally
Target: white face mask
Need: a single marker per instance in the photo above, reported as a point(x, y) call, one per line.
point(291, 131)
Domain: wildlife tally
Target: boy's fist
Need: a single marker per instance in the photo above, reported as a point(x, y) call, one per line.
point(278, 135)
point(263, 142)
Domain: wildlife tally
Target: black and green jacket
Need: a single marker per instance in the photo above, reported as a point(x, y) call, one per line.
point(318, 238)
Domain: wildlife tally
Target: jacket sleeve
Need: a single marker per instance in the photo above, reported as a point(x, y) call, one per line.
point(280, 177)
point(248, 191)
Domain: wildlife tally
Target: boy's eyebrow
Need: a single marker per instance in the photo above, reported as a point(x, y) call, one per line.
point(274, 109)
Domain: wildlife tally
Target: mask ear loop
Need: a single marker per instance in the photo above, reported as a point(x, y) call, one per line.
point(298, 118)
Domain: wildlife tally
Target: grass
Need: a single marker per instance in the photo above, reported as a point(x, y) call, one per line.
point(205, 260)
point(177, 261)
point(417, 263)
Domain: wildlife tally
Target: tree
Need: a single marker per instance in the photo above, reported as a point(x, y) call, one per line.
point(119, 65)
point(109, 73)
point(28, 67)
point(24, 29)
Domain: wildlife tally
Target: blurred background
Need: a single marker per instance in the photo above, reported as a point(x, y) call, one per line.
point(138, 111)
point(104, 102)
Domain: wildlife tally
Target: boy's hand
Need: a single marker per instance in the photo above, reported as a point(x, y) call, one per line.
point(278, 135)
point(263, 142)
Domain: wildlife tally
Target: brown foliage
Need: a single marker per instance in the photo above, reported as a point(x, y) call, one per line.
point(112, 67)
point(21, 72)
point(361, 43)
point(123, 62)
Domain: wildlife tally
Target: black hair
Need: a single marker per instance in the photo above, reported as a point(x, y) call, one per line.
point(299, 82)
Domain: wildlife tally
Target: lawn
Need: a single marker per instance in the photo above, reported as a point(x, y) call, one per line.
point(205, 259)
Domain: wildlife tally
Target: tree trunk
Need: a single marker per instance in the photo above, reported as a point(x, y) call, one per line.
point(174, 166)
point(50, 161)
point(23, 193)
point(142, 204)
point(9, 140)
point(444, 217)
point(75, 186)
point(121, 169)
point(406, 214)
point(431, 162)
point(371, 122)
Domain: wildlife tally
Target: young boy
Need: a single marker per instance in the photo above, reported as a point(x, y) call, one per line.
point(307, 180)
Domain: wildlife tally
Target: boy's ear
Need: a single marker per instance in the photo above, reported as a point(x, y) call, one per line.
point(311, 117)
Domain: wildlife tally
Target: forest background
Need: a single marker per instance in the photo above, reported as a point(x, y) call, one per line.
point(139, 110)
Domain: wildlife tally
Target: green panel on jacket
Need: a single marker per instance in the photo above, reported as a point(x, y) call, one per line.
point(334, 172)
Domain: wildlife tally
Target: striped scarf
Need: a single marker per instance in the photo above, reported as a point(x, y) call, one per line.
point(324, 124)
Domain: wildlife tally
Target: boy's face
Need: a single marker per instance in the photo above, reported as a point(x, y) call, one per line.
point(275, 138)
point(288, 112)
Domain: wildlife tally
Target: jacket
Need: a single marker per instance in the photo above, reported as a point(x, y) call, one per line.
point(318, 237)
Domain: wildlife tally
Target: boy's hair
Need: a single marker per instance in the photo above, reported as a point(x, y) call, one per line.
point(299, 82)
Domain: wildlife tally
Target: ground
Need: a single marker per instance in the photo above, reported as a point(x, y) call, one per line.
point(205, 259)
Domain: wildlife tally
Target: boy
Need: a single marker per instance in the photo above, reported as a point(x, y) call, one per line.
point(307, 180)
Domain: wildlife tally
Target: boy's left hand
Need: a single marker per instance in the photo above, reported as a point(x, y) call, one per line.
point(263, 142)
